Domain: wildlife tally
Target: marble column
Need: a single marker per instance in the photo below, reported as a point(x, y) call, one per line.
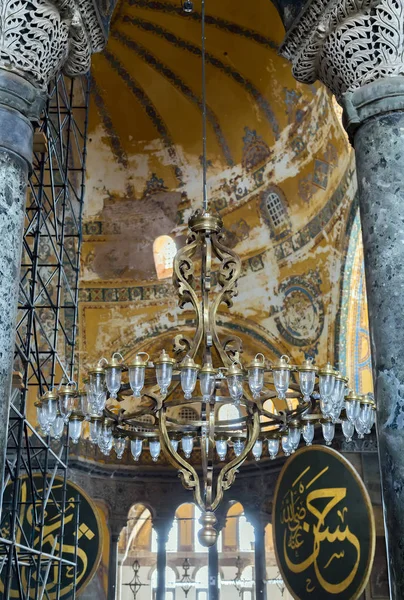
point(113, 566)
point(259, 558)
point(162, 527)
point(36, 42)
point(213, 567)
point(357, 51)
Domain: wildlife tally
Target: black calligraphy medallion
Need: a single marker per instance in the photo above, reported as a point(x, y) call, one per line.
point(87, 527)
point(323, 526)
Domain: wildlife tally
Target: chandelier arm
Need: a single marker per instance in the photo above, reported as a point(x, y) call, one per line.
point(228, 472)
point(229, 274)
point(184, 282)
point(188, 474)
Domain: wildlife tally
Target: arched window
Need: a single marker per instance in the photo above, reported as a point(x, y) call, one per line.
point(202, 581)
point(246, 537)
point(164, 251)
point(274, 210)
point(228, 412)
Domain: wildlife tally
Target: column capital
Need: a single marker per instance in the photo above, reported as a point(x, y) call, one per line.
point(346, 44)
point(41, 37)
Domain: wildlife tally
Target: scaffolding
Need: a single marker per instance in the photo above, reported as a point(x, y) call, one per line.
point(34, 537)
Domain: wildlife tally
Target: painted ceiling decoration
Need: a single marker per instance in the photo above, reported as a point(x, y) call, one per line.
point(280, 175)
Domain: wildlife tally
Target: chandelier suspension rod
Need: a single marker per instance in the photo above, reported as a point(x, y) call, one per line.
point(204, 152)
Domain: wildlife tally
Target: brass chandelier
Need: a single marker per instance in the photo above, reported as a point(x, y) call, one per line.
point(205, 275)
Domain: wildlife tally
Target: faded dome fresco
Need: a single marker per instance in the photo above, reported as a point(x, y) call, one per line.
point(280, 174)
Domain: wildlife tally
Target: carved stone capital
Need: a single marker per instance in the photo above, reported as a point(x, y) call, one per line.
point(40, 37)
point(347, 44)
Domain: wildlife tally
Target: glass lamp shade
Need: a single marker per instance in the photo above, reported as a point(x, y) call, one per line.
point(360, 429)
point(325, 406)
point(120, 445)
point(105, 445)
point(66, 405)
point(366, 416)
point(58, 427)
point(256, 380)
point(95, 428)
point(207, 381)
point(257, 449)
point(235, 385)
point(307, 379)
point(286, 445)
point(174, 444)
point(189, 376)
point(308, 433)
point(327, 381)
point(97, 381)
point(187, 445)
point(113, 380)
point(221, 449)
point(136, 379)
point(52, 410)
point(348, 429)
point(353, 408)
point(294, 437)
point(328, 432)
point(281, 382)
point(273, 447)
point(154, 447)
point(75, 430)
point(238, 446)
point(164, 374)
point(136, 447)
point(42, 417)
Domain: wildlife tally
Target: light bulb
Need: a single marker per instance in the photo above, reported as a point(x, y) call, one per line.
point(174, 444)
point(308, 432)
point(235, 385)
point(352, 407)
point(257, 449)
point(113, 379)
point(52, 410)
point(326, 381)
point(281, 375)
point(273, 447)
point(75, 430)
point(120, 445)
point(221, 448)
point(348, 429)
point(95, 428)
point(136, 447)
point(136, 380)
point(328, 432)
point(294, 437)
point(187, 444)
point(286, 445)
point(238, 446)
point(256, 371)
point(307, 378)
point(189, 375)
point(360, 429)
point(164, 371)
point(154, 447)
point(58, 427)
point(207, 381)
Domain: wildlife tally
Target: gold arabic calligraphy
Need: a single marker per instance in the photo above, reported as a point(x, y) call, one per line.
point(297, 512)
point(51, 534)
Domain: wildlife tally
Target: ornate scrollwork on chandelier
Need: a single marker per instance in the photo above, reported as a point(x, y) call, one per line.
point(206, 273)
point(347, 43)
point(39, 37)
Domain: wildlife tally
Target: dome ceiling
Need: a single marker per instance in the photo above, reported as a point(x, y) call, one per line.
point(280, 174)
